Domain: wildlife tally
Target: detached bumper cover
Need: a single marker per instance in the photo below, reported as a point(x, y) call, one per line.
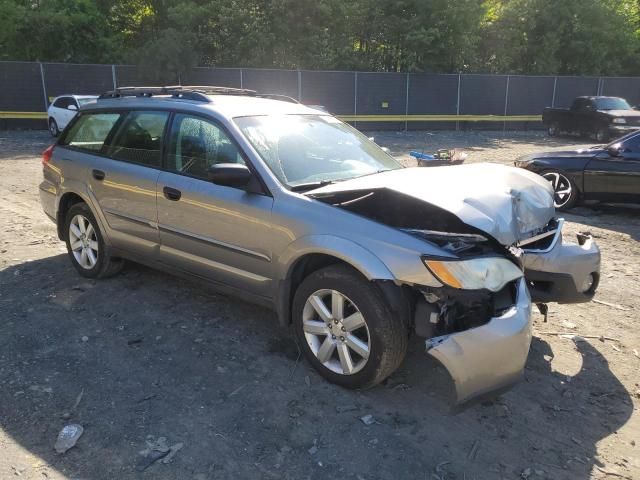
point(490, 357)
point(561, 273)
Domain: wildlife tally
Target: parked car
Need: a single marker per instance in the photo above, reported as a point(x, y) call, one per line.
point(294, 209)
point(602, 117)
point(63, 109)
point(607, 173)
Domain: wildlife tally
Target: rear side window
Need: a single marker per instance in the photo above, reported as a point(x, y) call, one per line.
point(90, 131)
point(139, 138)
point(62, 102)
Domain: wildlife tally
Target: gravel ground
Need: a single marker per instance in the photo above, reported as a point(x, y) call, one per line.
point(144, 356)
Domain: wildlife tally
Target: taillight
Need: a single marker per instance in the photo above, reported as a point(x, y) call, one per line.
point(46, 155)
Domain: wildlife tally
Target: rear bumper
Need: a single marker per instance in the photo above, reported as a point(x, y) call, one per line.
point(490, 357)
point(48, 199)
point(563, 273)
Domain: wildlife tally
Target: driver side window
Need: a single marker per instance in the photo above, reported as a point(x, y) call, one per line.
point(196, 144)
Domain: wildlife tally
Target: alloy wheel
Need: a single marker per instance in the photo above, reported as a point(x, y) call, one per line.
point(83, 241)
point(336, 332)
point(562, 189)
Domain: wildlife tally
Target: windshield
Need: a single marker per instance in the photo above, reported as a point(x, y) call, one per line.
point(308, 150)
point(612, 104)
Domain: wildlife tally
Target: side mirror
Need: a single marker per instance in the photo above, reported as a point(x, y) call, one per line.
point(72, 107)
point(234, 175)
point(614, 150)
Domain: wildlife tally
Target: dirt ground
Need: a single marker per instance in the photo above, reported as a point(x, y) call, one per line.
point(145, 355)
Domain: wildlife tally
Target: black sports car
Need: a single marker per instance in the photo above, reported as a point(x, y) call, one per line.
point(608, 173)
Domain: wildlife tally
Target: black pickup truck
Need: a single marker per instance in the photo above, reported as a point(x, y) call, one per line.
point(602, 117)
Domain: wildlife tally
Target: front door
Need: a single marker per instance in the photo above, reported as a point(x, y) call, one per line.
point(615, 177)
point(214, 231)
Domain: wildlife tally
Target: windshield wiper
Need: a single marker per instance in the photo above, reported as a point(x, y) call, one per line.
point(374, 173)
point(303, 187)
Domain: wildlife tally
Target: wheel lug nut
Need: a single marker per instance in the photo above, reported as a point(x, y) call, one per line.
point(333, 336)
point(330, 326)
point(344, 329)
point(335, 321)
point(342, 339)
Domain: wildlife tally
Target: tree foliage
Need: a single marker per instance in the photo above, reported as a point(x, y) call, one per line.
point(499, 36)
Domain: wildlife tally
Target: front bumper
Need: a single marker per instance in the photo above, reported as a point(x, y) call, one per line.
point(490, 357)
point(562, 272)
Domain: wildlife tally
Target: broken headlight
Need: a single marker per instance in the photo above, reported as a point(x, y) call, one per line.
point(491, 273)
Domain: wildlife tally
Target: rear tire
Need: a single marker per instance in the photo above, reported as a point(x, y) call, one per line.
point(554, 129)
point(53, 128)
point(346, 329)
point(85, 244)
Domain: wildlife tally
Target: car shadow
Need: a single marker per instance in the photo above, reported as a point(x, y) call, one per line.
point(622, 218)
point(146, 355)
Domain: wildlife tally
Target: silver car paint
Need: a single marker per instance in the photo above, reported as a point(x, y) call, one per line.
point(253, 241)
point(488, 357)
point(507, 203)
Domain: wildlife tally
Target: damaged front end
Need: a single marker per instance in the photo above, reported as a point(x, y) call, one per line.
point(505, 246)
point(491, 356)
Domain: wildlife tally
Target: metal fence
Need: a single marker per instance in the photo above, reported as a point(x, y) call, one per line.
point(370, 100)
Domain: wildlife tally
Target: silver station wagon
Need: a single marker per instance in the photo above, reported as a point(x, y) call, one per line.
point(289, 207)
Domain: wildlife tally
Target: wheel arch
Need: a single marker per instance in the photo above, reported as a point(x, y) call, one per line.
point(309, 254)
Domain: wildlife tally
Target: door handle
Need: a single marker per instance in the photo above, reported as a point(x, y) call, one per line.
point(98, 174)
point(171, 194)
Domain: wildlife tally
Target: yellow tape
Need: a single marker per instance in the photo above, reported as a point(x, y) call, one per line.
point(21, 115)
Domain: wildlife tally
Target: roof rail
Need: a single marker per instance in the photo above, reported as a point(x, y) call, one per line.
point(275, 96)
point(188, 92)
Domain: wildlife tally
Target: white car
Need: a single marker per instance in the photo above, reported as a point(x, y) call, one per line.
point(64, 108)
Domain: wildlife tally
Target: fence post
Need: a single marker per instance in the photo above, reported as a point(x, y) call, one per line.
point(241, 80)
point(602, 80)
point(458, 104)
point(299, 85)
point(113, 76)
point(506, 105)
point(553, 95)
point(44, 89)
point(406, 105)
point(355, 98)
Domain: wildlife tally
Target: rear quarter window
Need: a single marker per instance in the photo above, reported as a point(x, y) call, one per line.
point(90, 131)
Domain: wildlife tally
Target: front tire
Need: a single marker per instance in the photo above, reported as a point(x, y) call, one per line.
point(85, 244)
point(346, 329)
point(602, 134)
point(53, 128)
point(565, 192)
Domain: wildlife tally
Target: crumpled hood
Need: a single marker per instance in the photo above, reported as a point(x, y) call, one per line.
point(507, 203)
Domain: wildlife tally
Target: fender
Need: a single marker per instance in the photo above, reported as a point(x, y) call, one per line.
point(78, 188)
point(346, 250)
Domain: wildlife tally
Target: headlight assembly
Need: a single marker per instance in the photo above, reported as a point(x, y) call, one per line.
point(491, 273)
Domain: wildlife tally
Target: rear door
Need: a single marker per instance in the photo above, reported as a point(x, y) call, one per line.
point(218, 232)
point(615, 178)
point(123, 180)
